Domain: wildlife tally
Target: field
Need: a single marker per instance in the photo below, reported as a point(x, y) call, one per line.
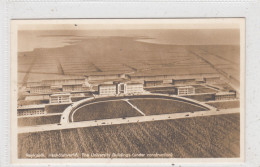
point(105, 110)
point(204, 90)
point(198, 137)
point(157, 106)
point(56, 108)
point(202, 97)
point(225, 104)
point(39, 120)
point(76, 60)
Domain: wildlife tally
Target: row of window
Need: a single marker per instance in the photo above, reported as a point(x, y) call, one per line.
point(31, 112)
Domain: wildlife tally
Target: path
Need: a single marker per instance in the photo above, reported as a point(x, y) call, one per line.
point(137, 109)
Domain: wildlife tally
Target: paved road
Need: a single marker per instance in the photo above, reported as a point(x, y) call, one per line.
point(106, 122)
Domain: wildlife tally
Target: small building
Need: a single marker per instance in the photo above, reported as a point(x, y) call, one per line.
point(225, 95)
point(185, 90)
point(134, 88)
point(107, 89)
point(30, 110)
point(60, 98)
point(40, 89)
point(183, 81)
point(212, 79)
point(153, 83)
point(72, 88)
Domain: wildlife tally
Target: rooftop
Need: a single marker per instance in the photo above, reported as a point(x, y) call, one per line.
point(31, 106)
point(60, 94)
point(184, 87)
point(225, 93)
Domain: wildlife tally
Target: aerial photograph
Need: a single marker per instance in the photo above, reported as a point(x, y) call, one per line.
point(128, 89)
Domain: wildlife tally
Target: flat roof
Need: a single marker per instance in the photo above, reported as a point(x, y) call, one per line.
point(225, 93)
point(107, 85)
point(134, 84)
point(71, 84)
point(61, 94)
point(40, 86)
point(31, 106)
point(185, 87)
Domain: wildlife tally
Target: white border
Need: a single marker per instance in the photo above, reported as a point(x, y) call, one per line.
point(251, 11)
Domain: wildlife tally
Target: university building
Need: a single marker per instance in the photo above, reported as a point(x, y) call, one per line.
point(72, 88)
point(120, 88)
point(40, 89)
point(183, 81)
point(185, 90)
point(31, 110)
point(225, 95)
point(60, 98)
point(107, 89)
point(153, 83)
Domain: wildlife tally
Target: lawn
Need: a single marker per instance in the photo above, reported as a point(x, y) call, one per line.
point(105, 110)
point(39, 120)
point(162, 106)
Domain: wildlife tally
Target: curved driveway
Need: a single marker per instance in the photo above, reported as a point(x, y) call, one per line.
point(68, 113)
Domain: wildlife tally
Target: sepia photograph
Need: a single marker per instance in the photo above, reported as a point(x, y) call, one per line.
point(127, 89)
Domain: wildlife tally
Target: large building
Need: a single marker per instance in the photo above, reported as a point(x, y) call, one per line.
point(183, 81)
point(107, 89)
point(60, 82)
point(40, 89)
point(225, 95)
point(72, 88)
point(153, 83)
point(30, 110)
point(60, 98)
point(185, 90)
point(120, 88)
point(134, 88)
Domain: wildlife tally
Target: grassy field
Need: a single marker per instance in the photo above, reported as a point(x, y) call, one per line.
point(204, 90)
point(156, 106)
point(225, 104)
point(39, 120)
point(202, 97)
point(198, 137)
point(105, 110)
point(56, 108)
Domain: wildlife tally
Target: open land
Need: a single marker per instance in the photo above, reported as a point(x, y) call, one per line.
point(198, 137)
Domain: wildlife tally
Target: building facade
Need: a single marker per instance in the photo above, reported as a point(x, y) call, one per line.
point(30, 110)
point(225, 96)
point(185, 90)
point(60, 82)
point(107, 89)
point(72, 88)
point(183, 81)
point(40, 89)
point(120, 88)
point(60, 98)
point(153, 83)
point(134, 88)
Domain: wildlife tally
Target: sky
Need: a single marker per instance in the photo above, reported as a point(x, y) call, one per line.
point(31, 36)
